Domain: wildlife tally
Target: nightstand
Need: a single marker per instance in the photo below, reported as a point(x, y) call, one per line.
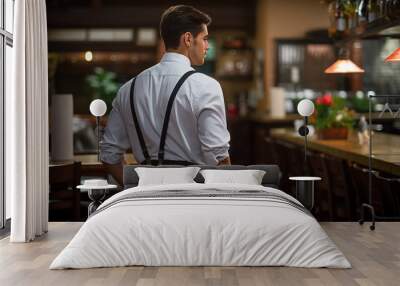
point(305, 190)
point(96, 194)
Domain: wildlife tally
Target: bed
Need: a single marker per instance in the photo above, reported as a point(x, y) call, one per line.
point(198, 224)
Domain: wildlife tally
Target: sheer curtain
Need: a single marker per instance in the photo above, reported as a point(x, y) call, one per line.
point(27, 124)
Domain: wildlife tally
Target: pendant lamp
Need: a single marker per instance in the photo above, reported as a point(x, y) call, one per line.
point(394, 57)
point(343, 65)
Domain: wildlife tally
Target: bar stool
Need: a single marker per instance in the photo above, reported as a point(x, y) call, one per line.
point(359, 181)
point(383, 194)
point(385, 199)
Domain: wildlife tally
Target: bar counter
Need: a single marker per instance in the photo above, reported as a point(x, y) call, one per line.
point(385, 148)
point(90, 165)
point(248, 133)
point(266, 118)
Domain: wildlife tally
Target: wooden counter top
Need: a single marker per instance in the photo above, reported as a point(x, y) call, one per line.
point(91, 159)
point(385, 147)
point(91, 166)
point(266, 118)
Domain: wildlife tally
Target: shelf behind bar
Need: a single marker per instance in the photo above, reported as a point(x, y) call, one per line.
point(384, 96)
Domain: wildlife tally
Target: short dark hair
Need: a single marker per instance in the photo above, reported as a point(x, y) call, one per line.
point(177, 20)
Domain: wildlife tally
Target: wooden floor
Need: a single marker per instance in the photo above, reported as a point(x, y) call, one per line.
point(375, 257)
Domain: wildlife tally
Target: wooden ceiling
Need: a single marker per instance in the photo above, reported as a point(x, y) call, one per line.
point(226, 14)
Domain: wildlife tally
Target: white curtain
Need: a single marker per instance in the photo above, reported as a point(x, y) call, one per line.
point(27, 124)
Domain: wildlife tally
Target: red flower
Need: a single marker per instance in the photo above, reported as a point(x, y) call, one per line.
point(325, 100)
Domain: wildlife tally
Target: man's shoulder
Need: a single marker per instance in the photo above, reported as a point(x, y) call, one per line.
point(203, 81)
point(124, 90)
point(203, 78)
point(126, 86)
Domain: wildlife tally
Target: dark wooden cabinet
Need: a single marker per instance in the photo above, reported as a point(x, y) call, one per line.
point(240, 147)
point(248, 145)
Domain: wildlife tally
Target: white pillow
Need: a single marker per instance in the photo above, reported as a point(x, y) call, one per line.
point(164, 176)
point(248, 177)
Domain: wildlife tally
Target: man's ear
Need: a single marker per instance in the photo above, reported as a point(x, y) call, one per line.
point(188, 38)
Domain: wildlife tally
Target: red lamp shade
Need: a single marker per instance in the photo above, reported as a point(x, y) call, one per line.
point(344, 66)
point(394, 57)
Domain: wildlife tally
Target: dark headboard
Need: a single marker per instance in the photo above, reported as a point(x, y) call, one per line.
point(271, 178)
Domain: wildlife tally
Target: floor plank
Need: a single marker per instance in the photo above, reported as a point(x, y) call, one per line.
point(375, 257)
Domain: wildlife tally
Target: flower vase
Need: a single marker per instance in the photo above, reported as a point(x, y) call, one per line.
point(333, 133)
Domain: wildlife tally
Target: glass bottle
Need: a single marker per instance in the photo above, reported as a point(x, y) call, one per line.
point(362, 12)
point(350, 7)
point(373, 10)
point(382, 8)
point(340, 17)
point(395, 8)
point(332, 19)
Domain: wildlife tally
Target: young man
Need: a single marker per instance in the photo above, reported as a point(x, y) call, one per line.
point(170, 114)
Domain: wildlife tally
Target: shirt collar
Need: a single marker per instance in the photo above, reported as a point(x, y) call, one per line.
point(176, 57)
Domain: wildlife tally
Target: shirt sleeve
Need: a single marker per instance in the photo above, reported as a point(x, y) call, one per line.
point(212, 128)
point(115, 140)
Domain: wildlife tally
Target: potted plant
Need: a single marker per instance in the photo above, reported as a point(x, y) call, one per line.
point(104, 85)
point(332, 118)
point(350, 8)
point(360, 102)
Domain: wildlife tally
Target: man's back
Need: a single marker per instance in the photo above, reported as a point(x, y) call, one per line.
point(197, 129)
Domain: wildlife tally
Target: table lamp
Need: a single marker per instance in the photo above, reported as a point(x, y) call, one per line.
point(305, 108)
point(98, 108)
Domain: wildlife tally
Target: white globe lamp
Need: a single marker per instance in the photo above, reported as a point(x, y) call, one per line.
point(98, 108)
point(305, 108)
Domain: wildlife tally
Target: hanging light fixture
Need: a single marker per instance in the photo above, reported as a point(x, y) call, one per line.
point(394, 57)
point(343, 65)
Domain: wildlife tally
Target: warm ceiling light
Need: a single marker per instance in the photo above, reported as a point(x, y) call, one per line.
point(344, 66)
point(394, 57)
point(88, 56)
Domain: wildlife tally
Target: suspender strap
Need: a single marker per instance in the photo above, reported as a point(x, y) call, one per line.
point(168, 113)
point(138, 131)
point(165, 124)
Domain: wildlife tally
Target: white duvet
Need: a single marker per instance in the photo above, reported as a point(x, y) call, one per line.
point(200, 231)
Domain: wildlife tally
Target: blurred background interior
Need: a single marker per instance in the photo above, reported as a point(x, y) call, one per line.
point(267, 55)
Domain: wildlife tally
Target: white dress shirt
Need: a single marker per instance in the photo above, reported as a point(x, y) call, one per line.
point(197, 129)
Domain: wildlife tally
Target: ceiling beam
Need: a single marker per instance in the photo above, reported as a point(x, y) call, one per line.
point(224, 16)
point(63, 46)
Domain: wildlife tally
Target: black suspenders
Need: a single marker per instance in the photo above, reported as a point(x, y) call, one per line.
point(139, 133)
point(166, 119)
